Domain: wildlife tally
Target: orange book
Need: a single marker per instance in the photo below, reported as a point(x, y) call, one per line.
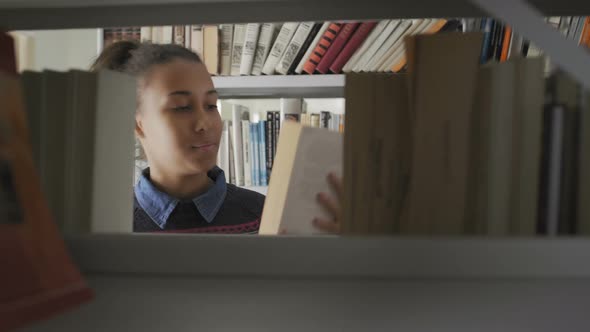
point(506, 43)
point(322, 47)
point(585, 40)
point(38, 279)
point(434, 28)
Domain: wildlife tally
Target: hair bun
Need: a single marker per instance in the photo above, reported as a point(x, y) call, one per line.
point(115, 56)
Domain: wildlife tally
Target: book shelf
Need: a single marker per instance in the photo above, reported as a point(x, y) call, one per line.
point(304, 86)
point(319, 283)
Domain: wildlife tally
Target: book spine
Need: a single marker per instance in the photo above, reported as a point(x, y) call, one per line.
point(167, 34)
point(279, 46)
point(157, 35)
point(309, 49)
point(355, 42)
point(506, 43)
point(573, 27)
point(291, 109)
point(322, 47)
point(227, 35)
point(237, 143)
point(486, 28)
point(254, 153)
point(315, 120)
point(238, 45)
point(276, 130)
point(516, 45)
point(250, 41)
point(493, 40)
point(304, 48)
point(269, 147)
point(232, 164)
point(187, 37)
point(585, 38)
point(262, 152)
point(247, 154)
point(146, 34)
point(339, 42)
point(325, 118)
point(211, 48)
point(179, 35)
point(267, 31)
point(293, 48)
point(197, 40)
point(579, 30)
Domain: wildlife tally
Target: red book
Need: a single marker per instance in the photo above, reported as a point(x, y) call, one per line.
point(353, 44)
point(322, 47)
point(337, 46)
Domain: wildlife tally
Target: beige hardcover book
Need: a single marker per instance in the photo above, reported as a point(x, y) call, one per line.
point(197, 39)
point(146, 34)
point(583, 224)
point(304, 158)
point(491, 154)
point(211, 48)
point(54, 117)
point(113, 153)
point(442, 114)
point(359, 96)
point(398, 51)
point(528, 126)
point(375, 46)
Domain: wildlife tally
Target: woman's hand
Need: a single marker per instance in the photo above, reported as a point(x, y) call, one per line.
point(333, 206)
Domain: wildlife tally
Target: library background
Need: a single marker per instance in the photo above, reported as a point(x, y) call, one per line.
point(461, 130)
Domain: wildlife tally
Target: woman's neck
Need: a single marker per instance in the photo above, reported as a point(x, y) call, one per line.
point(181, 187)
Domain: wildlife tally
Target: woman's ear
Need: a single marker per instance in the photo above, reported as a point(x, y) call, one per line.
point(139, 126)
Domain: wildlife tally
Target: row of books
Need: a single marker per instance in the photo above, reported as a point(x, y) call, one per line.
point(502, 43)
point(334, 47)
point(81, 133)
point(501, 151)
point(249, 144)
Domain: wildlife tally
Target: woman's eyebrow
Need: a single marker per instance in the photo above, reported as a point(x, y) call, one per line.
point(212, 92)
point(180, 93)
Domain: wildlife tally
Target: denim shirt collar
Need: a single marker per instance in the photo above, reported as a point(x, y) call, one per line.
point(159, 205)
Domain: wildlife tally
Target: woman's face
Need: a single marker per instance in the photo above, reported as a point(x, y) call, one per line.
point(178, 123)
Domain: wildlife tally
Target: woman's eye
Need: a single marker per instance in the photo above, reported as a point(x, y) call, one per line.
point(186, 108)
point(212, 107)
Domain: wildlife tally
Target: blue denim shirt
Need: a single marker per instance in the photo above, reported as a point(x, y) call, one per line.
point(159, 205)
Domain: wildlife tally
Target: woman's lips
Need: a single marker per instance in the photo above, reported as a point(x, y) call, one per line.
point(204, 147)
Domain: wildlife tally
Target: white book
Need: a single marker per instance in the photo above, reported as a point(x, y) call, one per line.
point(157, 35)
point(238, 152)
point(267, 32)
point(293, 47)
point(197, 40)
point(398, 50)
point(167, 34)
point(246, 151)
point(232, 165)
point(312, 46)
point(304, 157)
point(237, 46)
point(360, 52)
point(388, 45)
point(368, 56)
point(249, 49)
point(279, 46)
point(227, 36)
point(291, 109)
point(223, 156)
point(187, 36)
point(146, 34)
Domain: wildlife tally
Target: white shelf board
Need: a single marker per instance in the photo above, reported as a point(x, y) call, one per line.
point(62, 14)
point(304, 86)
point(331, 256)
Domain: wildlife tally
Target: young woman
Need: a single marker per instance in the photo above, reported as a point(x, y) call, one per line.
point(179, 127)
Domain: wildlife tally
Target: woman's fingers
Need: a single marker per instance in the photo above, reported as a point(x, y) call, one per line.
point(336, 183)
point(331, 205)
point(328, 226)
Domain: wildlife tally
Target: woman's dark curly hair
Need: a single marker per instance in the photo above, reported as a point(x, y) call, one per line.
point(135, 58)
